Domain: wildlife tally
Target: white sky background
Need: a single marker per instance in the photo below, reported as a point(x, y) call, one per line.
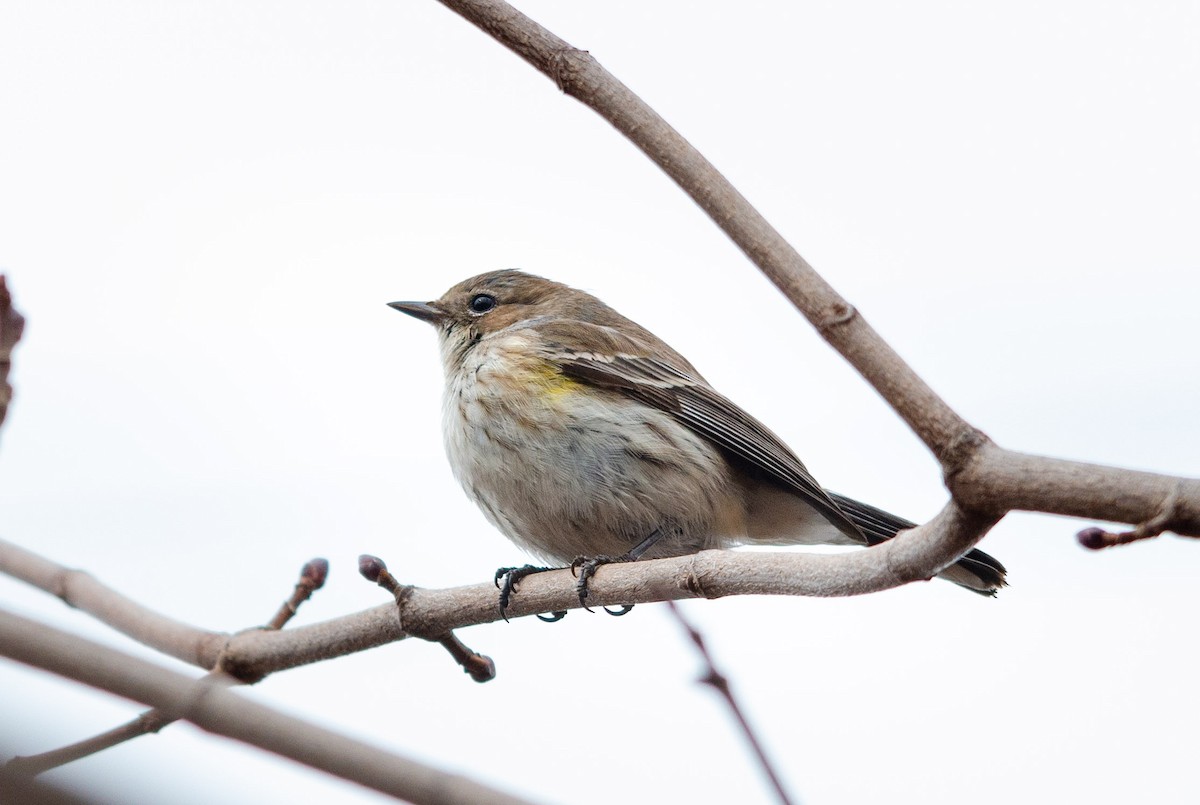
point(205, 206)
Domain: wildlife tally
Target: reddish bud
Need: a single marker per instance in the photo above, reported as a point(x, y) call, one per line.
point(1094, 538)
point(480, 668)
point(371, 567)
point(315, 572)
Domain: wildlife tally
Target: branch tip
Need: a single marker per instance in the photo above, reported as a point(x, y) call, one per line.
point(1093, 538)
point(371, 567)
point(1097, 538)
point(479, 667)
point(315, 572)
point(312, 578)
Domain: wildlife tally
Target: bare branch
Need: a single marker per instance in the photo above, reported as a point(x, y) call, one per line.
point(79, 590)
point(720, 683)
point(312, 578)
point(28, 791)
point(579, 75)
point(253, 654)
point(147, 723)
point(479, 667)
point(210, 707)
point(1168, 515)
point(998, 481)
point(709, 574)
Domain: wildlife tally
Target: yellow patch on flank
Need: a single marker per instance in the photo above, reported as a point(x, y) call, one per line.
point(550, 379)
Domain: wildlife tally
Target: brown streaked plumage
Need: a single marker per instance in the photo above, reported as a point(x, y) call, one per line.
point(580, 433)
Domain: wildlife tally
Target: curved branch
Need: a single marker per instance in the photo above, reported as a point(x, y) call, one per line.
point(914, 555)
point(579, 75)
point(709, 574)
point(998, 480)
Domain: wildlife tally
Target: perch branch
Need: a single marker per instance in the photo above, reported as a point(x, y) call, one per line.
point(253, 654)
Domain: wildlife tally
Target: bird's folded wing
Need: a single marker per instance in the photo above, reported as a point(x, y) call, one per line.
point(623, 364)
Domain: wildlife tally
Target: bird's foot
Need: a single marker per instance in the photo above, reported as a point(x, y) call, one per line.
point(584, 567)
point(506, 581)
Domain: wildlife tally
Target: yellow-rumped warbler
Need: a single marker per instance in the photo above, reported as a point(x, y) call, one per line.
point(580, 434)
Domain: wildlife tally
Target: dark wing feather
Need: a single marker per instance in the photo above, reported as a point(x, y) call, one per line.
point(880, 526)
point(621, 363)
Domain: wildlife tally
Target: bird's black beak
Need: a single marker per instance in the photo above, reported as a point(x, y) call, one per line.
point(425, 311)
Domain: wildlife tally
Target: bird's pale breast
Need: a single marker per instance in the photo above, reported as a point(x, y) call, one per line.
point(565, 469)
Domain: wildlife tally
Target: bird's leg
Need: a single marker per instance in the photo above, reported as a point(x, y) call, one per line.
point(584, 567)
point(511, 576)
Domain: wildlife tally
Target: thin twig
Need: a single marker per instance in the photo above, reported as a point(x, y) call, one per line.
point(147, 723)
point(312, 578)
point(479, 667)
point(720, 683)
point(1097, 538)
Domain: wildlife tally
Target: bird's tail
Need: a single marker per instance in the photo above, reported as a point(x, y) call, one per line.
point(976, 571)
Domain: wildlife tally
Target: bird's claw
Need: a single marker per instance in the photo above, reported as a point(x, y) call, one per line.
point(584, 567)
point(506, 582)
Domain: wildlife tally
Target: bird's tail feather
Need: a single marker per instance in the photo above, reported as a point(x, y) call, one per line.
point(976, 570)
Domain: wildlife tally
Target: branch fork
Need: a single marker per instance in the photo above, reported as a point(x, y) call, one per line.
point(479, 667)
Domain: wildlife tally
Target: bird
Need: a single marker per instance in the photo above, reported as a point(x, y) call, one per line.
point(586, 439)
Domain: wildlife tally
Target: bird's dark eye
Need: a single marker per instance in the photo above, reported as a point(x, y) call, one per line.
point(482, 303)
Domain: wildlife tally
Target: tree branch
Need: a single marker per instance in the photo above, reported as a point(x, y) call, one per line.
point(720, 683)
point(579, 75)
point(146, 723)
point(998, 480)
point(211, 707)
point(312, 578)
point(430, 614)
point(80, 590)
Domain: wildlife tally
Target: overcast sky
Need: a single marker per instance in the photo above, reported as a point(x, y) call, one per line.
point(204, 208)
